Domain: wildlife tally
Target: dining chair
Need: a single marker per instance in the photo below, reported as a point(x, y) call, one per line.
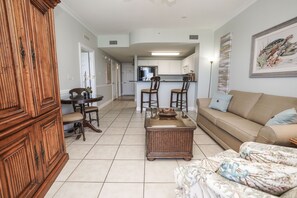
point(181, 94)
point(77, 119)
point(153, 90)
point(88, 108)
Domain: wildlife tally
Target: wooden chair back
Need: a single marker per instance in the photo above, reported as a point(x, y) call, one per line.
point(186, 83)
point(78, 92)
point(155, 83)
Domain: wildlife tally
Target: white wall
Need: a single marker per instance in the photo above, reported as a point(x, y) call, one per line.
point(262, 15)
point(69, 33)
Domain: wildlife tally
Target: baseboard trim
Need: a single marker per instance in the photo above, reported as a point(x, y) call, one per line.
point(105, 104)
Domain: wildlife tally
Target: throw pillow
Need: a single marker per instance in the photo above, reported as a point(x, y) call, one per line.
point(288, 116)
point(269, 177)
point(220, 102)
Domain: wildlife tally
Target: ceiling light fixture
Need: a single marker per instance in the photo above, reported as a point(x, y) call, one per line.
point(165, 53)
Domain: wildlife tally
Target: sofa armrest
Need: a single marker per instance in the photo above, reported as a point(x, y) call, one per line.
point(277, 134)
point(203, 102)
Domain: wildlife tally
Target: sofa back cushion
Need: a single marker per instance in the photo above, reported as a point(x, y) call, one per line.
point(242, 102)
point(268, 106)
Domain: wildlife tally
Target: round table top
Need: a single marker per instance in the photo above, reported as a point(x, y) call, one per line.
point(80, 99)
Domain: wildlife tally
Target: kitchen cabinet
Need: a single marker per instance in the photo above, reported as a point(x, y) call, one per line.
point(164, 66)
point(175, 67)
point(169, 67)
point(143, 63)
point(188, 64)
point(32, 148)
point(148, 62)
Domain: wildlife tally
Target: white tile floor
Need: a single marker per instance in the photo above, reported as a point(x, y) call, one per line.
point(113, 164)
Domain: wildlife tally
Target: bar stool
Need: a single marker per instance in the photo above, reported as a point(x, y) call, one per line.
point(181, 95)
point(155, 84)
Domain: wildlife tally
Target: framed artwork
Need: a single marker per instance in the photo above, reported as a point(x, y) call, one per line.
point(224, 63)
point(274, 51)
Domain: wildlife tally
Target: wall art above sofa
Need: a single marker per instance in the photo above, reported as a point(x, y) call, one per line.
point(274, 51)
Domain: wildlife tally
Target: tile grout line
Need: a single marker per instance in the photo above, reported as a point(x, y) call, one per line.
point(81, 160)
point(77, 164)
point(120, 113)
point(112, 159)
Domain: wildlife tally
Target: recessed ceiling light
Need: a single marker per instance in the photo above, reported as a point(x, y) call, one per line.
point(184, 17)
point(165, 53)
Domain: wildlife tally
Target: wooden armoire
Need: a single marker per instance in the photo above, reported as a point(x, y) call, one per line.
point(32, 148)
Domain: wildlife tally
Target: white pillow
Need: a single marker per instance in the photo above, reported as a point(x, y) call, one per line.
point(220, 102)
point(288, 116)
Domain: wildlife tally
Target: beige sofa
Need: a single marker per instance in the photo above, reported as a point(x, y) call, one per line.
point(245, 120)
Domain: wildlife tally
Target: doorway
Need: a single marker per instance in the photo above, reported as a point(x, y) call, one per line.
point(116, 89)
point(87, 67)
point(127, 76)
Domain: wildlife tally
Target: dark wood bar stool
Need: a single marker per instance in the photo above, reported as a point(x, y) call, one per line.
point(155, 84)
point(181, 95)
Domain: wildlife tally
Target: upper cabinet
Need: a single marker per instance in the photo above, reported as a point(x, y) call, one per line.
point(169, 67)
point(188, 64)
point(164, 66)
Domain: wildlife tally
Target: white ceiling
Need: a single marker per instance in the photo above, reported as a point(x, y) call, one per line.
point(105, 17)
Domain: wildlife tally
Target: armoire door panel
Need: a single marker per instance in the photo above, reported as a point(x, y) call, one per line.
point(51, 141)
point(44, 60)
point(18, 165)
point(13, 104)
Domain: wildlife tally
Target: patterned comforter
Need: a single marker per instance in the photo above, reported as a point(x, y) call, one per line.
point(208, 178)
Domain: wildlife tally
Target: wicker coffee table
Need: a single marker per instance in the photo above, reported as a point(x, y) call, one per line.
point(168, 137)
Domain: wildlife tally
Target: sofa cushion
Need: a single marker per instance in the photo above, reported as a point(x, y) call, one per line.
point(212, 115)
point(241, 128)
point(268, 106)
point(242, 102)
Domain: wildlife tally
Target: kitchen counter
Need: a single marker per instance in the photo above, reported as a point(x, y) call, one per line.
point(165, 91)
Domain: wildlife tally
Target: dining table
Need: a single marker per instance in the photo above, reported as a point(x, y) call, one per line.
point(82, 100)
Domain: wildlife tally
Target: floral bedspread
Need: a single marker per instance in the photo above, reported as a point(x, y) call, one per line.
point(201, 179)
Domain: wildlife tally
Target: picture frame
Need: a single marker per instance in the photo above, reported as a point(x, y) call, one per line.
point(274, 51)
